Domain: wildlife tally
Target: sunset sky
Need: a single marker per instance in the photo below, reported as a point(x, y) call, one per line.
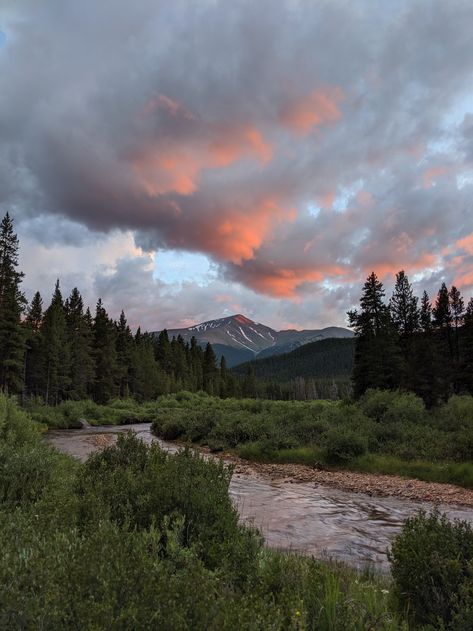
point(191, 159)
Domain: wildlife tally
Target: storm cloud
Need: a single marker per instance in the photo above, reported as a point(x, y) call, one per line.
point(297, 145)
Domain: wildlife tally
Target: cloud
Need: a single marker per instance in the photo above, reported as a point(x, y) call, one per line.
point(298, 145)
point(317, 108)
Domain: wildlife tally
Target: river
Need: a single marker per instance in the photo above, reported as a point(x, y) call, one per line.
point(308, 518)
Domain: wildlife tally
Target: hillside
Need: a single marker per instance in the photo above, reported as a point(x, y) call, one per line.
point(323, 359)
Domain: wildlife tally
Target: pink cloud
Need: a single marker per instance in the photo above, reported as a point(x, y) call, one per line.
point(317, 108)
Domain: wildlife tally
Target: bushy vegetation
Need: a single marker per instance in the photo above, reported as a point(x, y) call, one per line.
point(384, 431)
point(138, 539)
point(432, 567)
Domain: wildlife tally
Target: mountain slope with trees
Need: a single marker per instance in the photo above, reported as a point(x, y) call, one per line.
point(325, 359)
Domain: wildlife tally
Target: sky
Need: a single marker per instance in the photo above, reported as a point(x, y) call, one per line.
point(189, 159)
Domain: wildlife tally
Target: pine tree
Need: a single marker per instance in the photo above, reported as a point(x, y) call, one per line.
point(424, 378)
point(403, 306)
point(146, 372)
point(249, 382)
point(34, 314)
point(34, 373)
point(378, 361)
point(425, 317)
point(125, 349)
point(105, 355)
point(467, 367)
point(442, 321)
point(55, 350)
point(405, 316)
point(196, 360)
point(457, 308)
point(209, 370)
point(12, 303)
point(80, 340)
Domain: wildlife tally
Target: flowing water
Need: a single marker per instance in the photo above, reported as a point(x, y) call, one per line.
point(305, 517)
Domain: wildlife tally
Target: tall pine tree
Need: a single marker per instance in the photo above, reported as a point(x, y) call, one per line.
point(378, 361)
point(105, 355)
point(12, 303)
point(55, 350)
point(80, 340)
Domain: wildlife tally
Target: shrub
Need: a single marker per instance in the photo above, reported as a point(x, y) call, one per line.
point(387, 406)
point(343, 446)
point(431, 563)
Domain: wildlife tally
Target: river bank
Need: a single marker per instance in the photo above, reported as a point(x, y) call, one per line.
point(357, 482)
point(373, 485)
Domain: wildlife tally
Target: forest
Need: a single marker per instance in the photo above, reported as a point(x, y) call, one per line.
point(424, 348)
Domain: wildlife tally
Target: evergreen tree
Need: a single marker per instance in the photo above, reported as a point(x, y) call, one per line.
point(405, 316)
point(425, 317)
point(125, 350)
point(55, 350)
point(442, 321)
point(377, 355)
point(249, 382)
point(209, 370)
point(467, 366)
point(105, 355)
point(146, 373)
point(196, 359)
point(424, 378)
point(34, 373)
point(403, 306)
point(12, 303)
point(80, 340)
point(457, 308)
point(163, 351)
point(34, 314)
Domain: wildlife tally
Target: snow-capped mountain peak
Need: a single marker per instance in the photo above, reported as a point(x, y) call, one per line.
point(244, 336)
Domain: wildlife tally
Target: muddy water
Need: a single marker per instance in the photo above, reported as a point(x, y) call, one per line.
point(309, 518)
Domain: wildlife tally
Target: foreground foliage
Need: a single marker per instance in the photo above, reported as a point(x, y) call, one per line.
point(432, 567)
point(138, 539)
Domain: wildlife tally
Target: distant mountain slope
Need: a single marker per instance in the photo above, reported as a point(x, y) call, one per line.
point(236, 331)
point(240, 339)
point(291, 339)
point(323, 359)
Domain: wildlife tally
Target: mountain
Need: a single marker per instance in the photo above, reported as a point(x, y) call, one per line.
point(241, 339)
point(328, 359)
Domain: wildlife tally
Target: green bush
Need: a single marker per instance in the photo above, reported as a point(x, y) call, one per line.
point(385, 406)
point(341, 447)
point(432, 567)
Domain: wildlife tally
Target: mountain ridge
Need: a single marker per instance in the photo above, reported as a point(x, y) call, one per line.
point(241, 339)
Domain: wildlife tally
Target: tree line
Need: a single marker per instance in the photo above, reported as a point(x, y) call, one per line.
point(63, 351)
point(421, 346)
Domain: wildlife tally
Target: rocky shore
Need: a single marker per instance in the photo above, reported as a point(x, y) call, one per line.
point(369, 483)
point(356, 482)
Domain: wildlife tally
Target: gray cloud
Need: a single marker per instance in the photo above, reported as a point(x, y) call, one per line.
point(298, 144)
